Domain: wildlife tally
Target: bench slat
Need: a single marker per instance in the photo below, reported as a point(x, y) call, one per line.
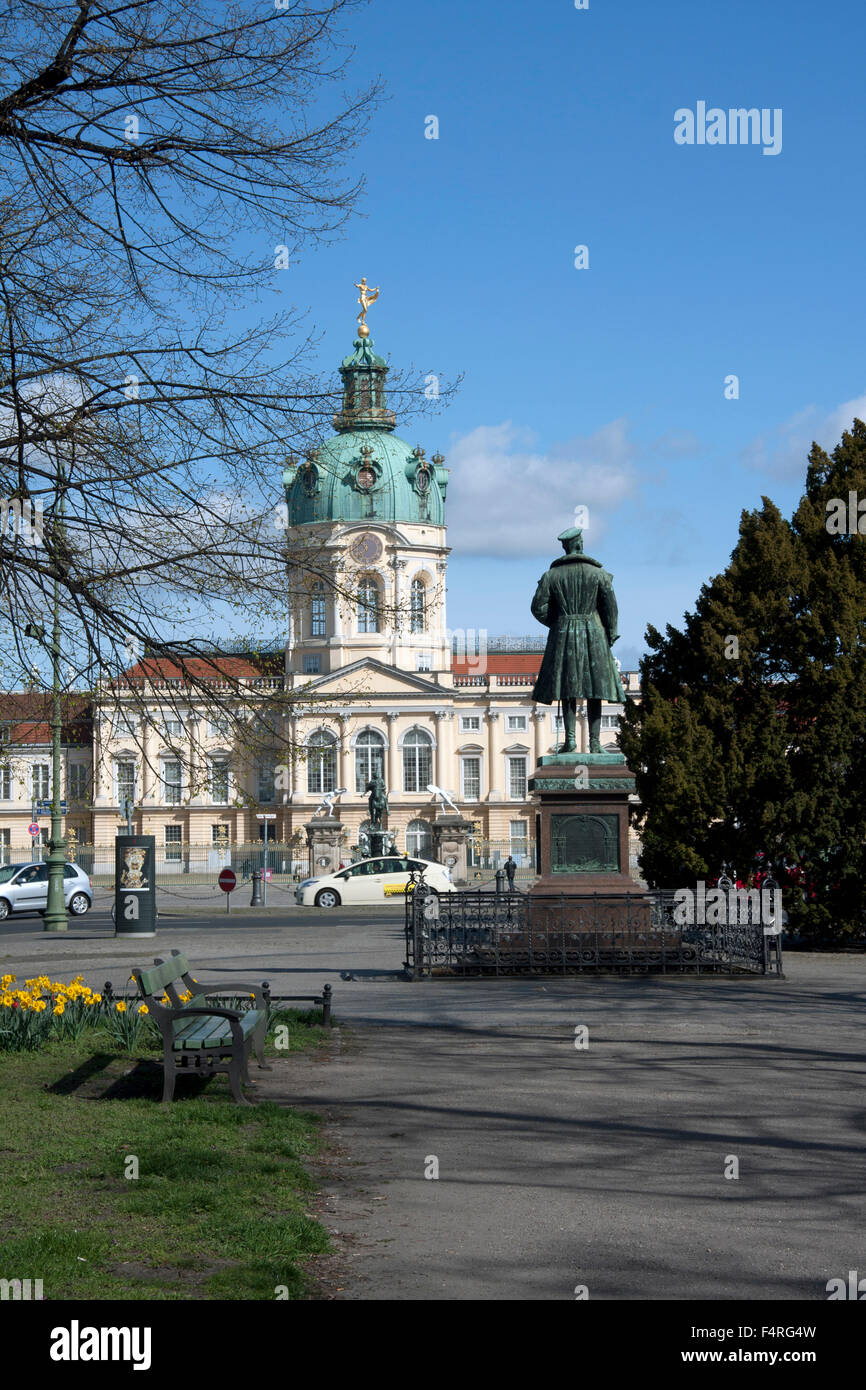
point(161, 975)
point(212, 1032)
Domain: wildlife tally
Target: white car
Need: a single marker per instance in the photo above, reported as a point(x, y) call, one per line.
point(372, 881)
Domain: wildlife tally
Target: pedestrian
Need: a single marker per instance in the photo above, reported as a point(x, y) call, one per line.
point(510, 871)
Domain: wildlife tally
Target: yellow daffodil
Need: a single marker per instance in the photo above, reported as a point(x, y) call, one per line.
point(143, 1009)
point(59, 1008)
point(120, 1006)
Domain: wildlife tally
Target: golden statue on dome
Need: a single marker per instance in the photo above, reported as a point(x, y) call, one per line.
point(368, 296)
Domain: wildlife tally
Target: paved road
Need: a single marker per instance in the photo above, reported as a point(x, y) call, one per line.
point(558, 1167)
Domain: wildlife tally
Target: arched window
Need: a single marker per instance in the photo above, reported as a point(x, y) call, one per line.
point(321, 762)
point(368, 605)
point(418, 606)
point(419, 839)
point(317, 607)
point(417, 761)
point(369, 758)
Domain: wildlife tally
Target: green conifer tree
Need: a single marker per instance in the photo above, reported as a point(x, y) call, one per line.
point(748, 747)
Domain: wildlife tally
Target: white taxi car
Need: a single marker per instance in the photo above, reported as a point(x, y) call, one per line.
point(372, 881)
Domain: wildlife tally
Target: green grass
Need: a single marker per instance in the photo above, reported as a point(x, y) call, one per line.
point(220, 1208)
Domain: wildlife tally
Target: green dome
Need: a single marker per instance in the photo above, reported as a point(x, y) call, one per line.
point(365, 472)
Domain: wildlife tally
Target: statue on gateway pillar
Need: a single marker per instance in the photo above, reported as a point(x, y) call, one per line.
point(575, 599)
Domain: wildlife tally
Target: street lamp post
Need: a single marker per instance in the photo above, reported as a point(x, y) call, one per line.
point(55, 910)
point(265, 818)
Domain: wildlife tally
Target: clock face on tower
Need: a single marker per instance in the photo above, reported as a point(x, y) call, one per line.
point(366, 548)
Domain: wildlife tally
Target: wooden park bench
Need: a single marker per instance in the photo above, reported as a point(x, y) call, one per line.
point(208, 1039)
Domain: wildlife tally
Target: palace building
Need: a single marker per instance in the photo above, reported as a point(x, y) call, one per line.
point(371, 679)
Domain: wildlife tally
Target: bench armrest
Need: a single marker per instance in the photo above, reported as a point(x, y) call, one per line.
point(236, 987)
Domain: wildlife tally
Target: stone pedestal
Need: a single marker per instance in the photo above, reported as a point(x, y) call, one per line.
point(325, 836)
point(582, 835)
point(380, 843)
point(450, 834)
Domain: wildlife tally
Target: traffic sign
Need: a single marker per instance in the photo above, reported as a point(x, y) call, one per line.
point(33, 829)
point(228, 880)
point(43, 808)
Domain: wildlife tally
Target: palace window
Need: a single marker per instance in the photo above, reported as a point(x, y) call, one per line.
point(41, 776)
point(417, 760)
point(516, 723)
point(219, 781)
point(470, 778)
point(470, 723)
point(321, 762)
point(5, 784)
point(311, 665)
point(78, 782)
point(317, 611)
point(610, 721)
point(517, 779)
point(423, 661)
point(5, 846)
point(517, 838)
point(124, 782)
point(418, 606)
point(369, 758)
point(419, 839)
point(173, 844)
point(265, 783)
point(368, 605)
point(172, 783)
point(220, 726)
point(173, 728)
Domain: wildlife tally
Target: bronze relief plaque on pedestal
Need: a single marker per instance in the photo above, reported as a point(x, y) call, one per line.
point(584, 844)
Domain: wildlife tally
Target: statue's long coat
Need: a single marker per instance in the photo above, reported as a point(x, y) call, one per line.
point(575, 600)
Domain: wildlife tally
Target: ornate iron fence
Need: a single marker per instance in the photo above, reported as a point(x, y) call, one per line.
point(476, 933)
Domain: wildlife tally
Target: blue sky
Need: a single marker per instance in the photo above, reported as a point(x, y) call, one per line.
point(606, 386)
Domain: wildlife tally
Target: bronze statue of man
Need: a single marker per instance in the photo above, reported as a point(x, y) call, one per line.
point(575, 600)
point(378, 800)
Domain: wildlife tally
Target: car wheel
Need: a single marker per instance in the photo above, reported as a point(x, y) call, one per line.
point(327, 897)
point(4, 909)
point(79, 903)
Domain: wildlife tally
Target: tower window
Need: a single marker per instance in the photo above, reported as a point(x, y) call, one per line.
point(368, 606)
point(418, 606)
point(317, 610)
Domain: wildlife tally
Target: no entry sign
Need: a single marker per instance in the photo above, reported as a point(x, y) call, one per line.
point(227, 880)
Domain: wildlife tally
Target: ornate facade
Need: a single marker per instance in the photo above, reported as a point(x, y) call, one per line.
point(372, 678)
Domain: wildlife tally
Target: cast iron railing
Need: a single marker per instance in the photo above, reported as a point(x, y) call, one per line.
point(476, 933)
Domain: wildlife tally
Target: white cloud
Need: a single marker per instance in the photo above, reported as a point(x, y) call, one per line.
point(505, 498)
point(783, 452)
